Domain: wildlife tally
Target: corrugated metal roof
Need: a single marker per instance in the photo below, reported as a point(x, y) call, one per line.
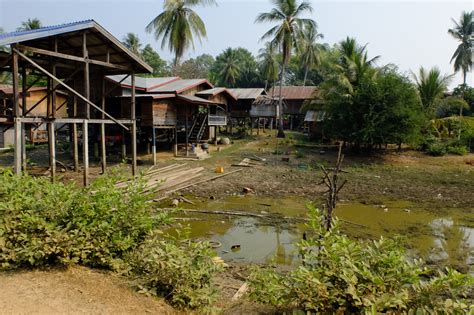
point(247, 94)
point(217, 91)
point(48, 31)
point(146, 84)
point(196, 100)
point(293, 92)
point(314, 116)
point(153, 96)
point(180, 86)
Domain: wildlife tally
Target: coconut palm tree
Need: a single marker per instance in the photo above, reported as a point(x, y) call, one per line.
point(310, 50)
point(355, 61)
point(230, 67)
point(290, 25)
point(463, 32)
point(269, 63)
point(132, 42)
point(30, 24)
point(431, 87)
point(177, 26)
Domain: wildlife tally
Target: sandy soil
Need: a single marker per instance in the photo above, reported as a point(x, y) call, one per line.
point(76, 290)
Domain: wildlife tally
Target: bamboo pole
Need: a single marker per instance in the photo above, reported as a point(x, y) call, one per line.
point(16, 113)
point(85, 149)
point(134, 129)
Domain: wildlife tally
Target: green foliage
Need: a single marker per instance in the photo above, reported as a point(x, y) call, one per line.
point(44, 223)
point(338, 274)
point(451, 135)
point(180, 270)
point(151, 57)
point(370, 110)
point(431, 87)
point(30, 24)
point(178, 25)
point(462, 32)
point(236, 67)
point(467, 93)
point(452, 106)
point(196, 68)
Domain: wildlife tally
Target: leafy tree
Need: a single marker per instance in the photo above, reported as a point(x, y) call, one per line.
point(229, 67)
point(451, 106)
point(309, 50)
point(378, 110)
point(132, 42)
point(268, 64)
point(151, 57)
point(178, 24)
point(196, 68)
point(463, 32)
point(236, 64)
point(467, 93)
point(30, 24)
point(431, 87)
point(287, 13)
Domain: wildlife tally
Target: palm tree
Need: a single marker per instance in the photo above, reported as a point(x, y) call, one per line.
point(310, 50)
point(30, 24)
point(269, 63)
point(355, 60)
point(463, 32)
point(132, 42)
point(287, 13)
point(431, 87)
point(230, 68)
point(178, 24)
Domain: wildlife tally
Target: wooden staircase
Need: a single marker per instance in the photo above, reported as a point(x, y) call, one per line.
point(197, 130)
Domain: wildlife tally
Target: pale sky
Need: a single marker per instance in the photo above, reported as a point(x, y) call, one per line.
point(409, 34)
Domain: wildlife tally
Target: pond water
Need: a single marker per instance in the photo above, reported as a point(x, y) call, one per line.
point(442, 236)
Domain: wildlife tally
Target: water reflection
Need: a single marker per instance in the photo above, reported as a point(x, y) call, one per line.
point(438, 237)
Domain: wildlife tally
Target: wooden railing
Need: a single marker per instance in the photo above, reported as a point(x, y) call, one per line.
point(217, 120)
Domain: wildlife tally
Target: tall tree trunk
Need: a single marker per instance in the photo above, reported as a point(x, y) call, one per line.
point(266, 85)
point(464, 72)
point(281, 133)
point(305, 76)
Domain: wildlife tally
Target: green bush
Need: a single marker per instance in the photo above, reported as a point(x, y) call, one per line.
point(457, 149)
point(436, 149)
point(180, 270)
point(341, 275)
point(44, 223)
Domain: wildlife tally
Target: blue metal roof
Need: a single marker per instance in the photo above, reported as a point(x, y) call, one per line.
point(21, 36)
point(44, 32)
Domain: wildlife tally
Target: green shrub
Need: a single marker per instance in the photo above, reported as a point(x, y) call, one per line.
point(179, 270)
point(341, 275)
point(437, 149)
point(44, 223)
point(457, 149)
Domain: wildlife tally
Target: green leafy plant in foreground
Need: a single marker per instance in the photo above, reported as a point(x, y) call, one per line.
point(180, 270)
point(338, 274)
point(47, 224)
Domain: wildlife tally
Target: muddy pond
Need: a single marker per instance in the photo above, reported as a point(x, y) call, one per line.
point(443, 237)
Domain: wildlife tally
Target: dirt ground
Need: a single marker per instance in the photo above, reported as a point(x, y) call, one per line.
point(77, 290)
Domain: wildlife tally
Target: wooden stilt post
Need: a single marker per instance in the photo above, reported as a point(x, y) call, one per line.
point(258, 126)
point(251, 126)
point(291, 122)
point(75, 144)
point(85, 131)
point(52, 149)
point(271, 124)
point(16, 113)
point(215, 135)
point(124, 146)
point(23, 128)
point(264, 123)
point(187, 133)
point(153, 149)
point(85, 150)
point(134, 129)
point(175, 145)
point(102, 132)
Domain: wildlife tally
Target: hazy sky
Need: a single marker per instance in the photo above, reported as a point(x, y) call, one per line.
point(409, 34)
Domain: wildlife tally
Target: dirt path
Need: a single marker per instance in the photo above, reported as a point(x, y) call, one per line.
point(77, 290)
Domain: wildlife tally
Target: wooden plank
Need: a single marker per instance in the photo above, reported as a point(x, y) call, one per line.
point(85, 150)
point(69, 88)
point(75, 148)
point(102, 131)
point(72, 58)
point(134, 129)
point(87, 86)
point(23, 101)
point(154, 145)
point(52, 149)
point(16, 113)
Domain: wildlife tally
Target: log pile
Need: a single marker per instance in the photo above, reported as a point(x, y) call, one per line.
point(166, 178)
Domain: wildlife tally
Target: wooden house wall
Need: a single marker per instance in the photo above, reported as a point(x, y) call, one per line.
point(293, 107)
point(263, 111)
point(41, 109)
point(159, 113)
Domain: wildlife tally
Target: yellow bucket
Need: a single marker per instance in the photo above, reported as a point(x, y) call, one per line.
point(219, 170)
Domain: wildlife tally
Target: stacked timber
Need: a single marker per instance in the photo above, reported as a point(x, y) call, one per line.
point(164, 179)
